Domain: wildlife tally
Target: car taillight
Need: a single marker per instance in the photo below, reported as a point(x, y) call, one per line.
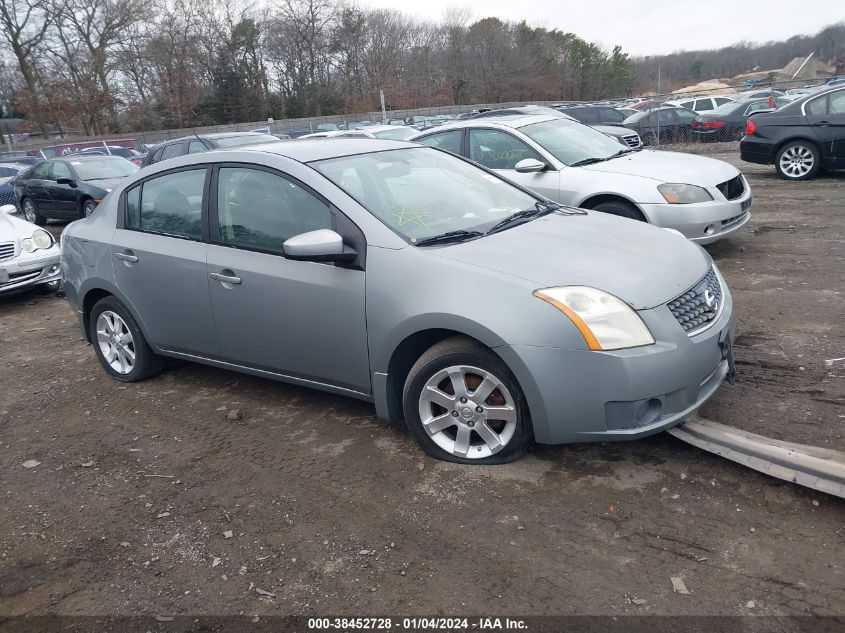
point(749, 127)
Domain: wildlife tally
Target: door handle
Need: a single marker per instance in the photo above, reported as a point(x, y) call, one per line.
point(127, 257)
point(824, 123)
point(225, 279)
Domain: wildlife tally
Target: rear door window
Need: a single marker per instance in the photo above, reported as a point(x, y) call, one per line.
point(170, 204)
point(172, 151)
point(836, 102)
point(42, 171)
point(449, 141)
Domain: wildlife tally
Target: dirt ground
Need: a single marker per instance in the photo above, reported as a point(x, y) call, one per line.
point(148, 500)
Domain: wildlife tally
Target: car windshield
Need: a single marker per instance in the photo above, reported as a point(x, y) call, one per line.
point(570, 142)
point(398, 133)
point(106, 167)
point(251, 139)
point(423, 192)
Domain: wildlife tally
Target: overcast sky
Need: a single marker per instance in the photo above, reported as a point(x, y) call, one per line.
point(648, 27)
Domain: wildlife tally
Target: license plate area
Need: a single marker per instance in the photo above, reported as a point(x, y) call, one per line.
point(4, 276)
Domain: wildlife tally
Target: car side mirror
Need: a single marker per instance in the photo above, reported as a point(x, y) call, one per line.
point(529, 165)
point(8, 209)
point(66, 181)
point(323, 245)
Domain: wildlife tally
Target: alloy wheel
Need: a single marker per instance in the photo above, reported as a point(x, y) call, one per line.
point(29, 211)
point(468, 411)
point(89, 208)
point(797, 161)
point(116, 342)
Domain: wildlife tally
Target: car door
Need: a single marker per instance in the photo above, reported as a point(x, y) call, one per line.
point(826, 118)
point(501, 151)
point(159, 260)
point(36, 186)
point(298, 318)
point(64, 197)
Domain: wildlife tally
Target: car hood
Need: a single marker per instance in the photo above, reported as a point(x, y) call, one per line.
point(106, 184)
point(13, 228)
point(643, 265)
point(669, 167)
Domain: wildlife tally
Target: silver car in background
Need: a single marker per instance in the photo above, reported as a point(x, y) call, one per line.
point(29, 256)
point(571, 163)
point(484, 315)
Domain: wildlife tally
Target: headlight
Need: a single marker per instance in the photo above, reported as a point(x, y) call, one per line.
point(40, 239)
point(675, 193)
point(604, 321)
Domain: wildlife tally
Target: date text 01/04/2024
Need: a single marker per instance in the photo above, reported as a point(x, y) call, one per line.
point(417, 624)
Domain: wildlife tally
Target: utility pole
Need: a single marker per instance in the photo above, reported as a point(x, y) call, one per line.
point(383, 110)
point(658, 104)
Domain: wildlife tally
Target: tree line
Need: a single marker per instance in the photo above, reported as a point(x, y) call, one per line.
point(104, 66)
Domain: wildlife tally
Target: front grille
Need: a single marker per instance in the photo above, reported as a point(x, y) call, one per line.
point(733, 188)
point(734, 220)
point(691, 309)
point(15, 278)
point(7, 250)
point(632, 140)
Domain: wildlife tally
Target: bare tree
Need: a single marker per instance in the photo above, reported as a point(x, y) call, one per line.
point(25, 24)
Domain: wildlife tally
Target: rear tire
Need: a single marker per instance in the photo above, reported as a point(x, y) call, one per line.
point(119, 343)
point(620, 208)
point(798, 160)
point(30, 212)
point(462, 404)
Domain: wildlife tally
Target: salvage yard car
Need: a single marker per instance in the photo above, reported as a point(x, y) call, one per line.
point(68, 188)
point(483, 314)
point(705, 199)
point(801, 137)
point(29, 256)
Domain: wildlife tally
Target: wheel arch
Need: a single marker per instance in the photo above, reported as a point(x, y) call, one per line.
point(596, 199)
point(93, 294)
point(803, 137)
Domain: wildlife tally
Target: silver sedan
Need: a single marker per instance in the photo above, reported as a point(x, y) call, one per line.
point(29, 256)
point(703, 198)
point(483, 315)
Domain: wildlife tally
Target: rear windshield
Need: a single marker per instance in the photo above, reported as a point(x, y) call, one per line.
point(106, 167)
point(246, 139)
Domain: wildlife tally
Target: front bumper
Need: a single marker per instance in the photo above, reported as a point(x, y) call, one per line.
point(580, 395)
point(703, 222)
point(40, 267)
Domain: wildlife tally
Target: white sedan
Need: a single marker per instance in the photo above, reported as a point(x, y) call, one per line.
point(29, 256)
point(389, 132)
point(571, 163)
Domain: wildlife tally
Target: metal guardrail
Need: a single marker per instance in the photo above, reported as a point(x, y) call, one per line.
point(821, 469)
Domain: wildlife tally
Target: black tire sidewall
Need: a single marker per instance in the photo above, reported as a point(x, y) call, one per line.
point(85, 204)
point(817, 160)
point(145, 360)
point(483, 359)
point(619, 209)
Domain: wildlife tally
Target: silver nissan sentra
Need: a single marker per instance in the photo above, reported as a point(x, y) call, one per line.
point(486, 316)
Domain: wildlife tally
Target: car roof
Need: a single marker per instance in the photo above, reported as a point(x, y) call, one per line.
point(505, 121)
point(308, 150)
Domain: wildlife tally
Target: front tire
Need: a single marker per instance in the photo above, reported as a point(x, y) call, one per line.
point(798, 160)
point(30, 212)
point(119, 343)
point(88, 207)
point(462, 404)
point(620, 208)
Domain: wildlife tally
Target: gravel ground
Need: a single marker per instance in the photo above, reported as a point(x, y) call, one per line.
point(149, 500)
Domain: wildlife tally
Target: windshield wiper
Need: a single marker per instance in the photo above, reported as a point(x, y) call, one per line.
point(621, 152)
point(587, 161)
point(526, 215)
point(448, 237)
